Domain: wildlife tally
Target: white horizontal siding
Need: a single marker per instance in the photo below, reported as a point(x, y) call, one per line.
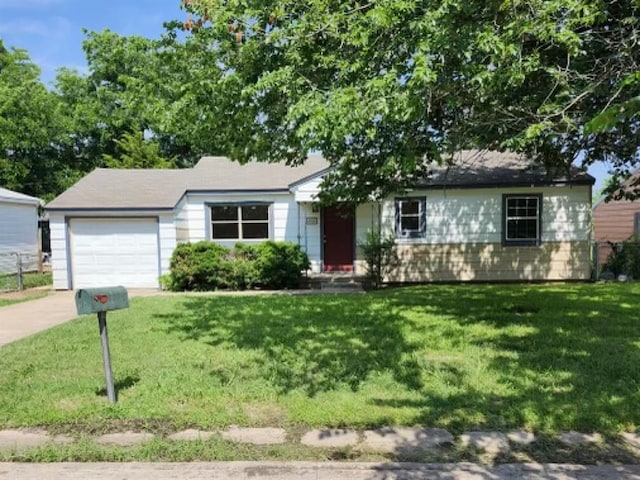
point(308, 191)
point(475, 216)
point(283, 221)
point(181, 221)
point(59, 259)
point(18, 228)
point(168, 241)
point(366, 219)
point(310, 235)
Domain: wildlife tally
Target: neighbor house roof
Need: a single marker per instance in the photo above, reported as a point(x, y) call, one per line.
point(113, 189)
point(630, 185)
point(9, 196)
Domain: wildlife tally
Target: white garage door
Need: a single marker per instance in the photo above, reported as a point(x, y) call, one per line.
point(114, 252)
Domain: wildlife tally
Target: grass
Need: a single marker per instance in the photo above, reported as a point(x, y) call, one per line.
point(541, 357)
point(31, 280)
point(36, 279)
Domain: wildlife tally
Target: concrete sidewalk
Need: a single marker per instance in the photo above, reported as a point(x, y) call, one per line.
point(310, 471)
point(32, 316)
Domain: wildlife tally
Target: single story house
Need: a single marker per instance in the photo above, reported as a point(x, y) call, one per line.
point(18, 229)
point(488, 217)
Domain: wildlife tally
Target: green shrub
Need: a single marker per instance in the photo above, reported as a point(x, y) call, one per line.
point(378, 252)
point(167, 283)
point(625, 258)
point(280, 264)
point(244, 266)
point(201, 266)
point(207, 266)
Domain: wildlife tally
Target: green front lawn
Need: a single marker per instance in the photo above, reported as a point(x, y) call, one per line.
point(544, 358)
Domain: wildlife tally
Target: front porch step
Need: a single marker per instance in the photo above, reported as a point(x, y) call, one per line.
point(340, 282)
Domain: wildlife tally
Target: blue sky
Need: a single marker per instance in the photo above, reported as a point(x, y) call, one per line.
point(51, 30)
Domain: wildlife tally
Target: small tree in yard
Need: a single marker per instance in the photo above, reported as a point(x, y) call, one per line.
point(379, 255)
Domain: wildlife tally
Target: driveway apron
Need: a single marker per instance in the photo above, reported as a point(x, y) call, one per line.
point(23, 319)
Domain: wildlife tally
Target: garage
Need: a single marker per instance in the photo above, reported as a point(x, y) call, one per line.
point(114, 251)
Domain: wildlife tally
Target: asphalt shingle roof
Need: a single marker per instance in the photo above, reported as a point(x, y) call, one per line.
point(124, 189)
point(218, 173)
point(105, 189)
point(484, 168)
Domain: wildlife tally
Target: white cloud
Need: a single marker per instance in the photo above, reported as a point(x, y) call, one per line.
point(28, 4)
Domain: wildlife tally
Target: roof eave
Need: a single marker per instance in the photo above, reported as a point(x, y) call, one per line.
point(22, 201)
point(309, 178)
point(535, 184)
point(85, 209)
point(237, 191)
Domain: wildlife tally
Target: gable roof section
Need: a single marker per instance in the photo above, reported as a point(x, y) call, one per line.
point(119, 189)
point(9, 196)
point(115, 189)
point(221, 174)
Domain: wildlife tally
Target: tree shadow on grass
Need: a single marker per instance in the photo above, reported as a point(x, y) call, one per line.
point(569, 355)
point(311, 343)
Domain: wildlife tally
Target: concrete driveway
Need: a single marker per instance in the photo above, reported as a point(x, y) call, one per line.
point(23, 319)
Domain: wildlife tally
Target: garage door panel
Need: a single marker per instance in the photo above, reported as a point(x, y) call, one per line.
point(114, 252)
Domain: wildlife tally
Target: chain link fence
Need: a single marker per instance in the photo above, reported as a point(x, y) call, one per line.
point(616, 260)
point(13, 267)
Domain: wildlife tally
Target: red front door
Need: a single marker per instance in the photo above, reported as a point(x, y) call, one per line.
point(338, 227)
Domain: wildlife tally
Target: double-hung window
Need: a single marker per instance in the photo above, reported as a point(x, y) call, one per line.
point(521, 219)
point(240, 222)
point(411, 217)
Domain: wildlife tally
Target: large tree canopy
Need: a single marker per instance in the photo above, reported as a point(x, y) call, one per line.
point(380, 86)
point(30, 126)
point(134, 87)
point(130, 110)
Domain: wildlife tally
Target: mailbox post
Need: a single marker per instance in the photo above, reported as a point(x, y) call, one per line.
point(100, 301)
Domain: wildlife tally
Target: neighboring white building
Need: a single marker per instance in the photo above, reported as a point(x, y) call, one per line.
point(18, 228)
point(488, 218)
